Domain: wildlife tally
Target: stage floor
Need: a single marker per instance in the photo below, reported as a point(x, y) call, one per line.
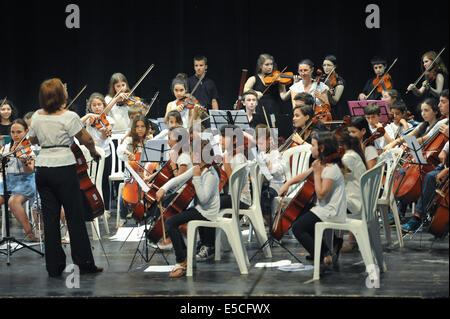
point(419, 270)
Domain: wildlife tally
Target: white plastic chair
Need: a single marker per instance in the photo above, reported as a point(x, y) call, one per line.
point(95, 172)
point(117, 174)
point(387, 199)
point(299, 156)
point(229, 225)
point(366, 230)
point(254, 212)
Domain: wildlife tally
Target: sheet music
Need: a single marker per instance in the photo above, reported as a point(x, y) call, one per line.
point(136, 176)
point(152, 151)
point(415, 149)
point(221, 117)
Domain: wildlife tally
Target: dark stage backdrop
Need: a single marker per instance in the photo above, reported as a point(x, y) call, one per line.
point(128, 36)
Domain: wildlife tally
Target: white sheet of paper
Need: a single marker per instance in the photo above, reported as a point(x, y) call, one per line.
point(167, 268)
point(414, 145)
point(296, 267)
point(130, 234)
point(280, 263)
point(136, 176)
point(263, 167)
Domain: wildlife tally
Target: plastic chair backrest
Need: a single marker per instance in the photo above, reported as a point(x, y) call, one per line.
point(370, 183)
point(115, 169)
point(392, 158)
point(236, 182)
point(300, 156)
point(256, 177)
point(113, 156)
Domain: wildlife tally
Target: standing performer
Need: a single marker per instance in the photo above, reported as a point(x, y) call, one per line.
point(379, 67)
point(434, 81)
point(206, 91)
point(54, 128)
point(336, 84)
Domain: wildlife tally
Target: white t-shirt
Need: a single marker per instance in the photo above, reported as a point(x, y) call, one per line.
point(391, 129)
point(98, 138)
point(277, 168)
point(120, 115)
point(353, 162)
point(379, 142)
point(299, 88)
point(445, 149)
point(237, 160)
point(334, 207)
point(370, 153)
point(55, 134)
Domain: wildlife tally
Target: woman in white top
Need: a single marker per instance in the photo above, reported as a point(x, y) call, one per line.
point(359, 128)
point(331, 203)
point(205, 179)
point(54, 128)
point(306, 83)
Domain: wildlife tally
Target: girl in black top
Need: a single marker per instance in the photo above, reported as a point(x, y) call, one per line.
point(8, 113)
point(338, 110)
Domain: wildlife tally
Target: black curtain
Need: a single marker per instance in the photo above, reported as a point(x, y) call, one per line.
point(128, 36)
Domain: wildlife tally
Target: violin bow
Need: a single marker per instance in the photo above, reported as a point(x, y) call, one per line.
point(264, 92)
point(161, 213)
point(379, 79)
point(429, 68)
point(141, 79)
point(3, 102)
point(151, 103)
point(76, 97)
point(265, 115)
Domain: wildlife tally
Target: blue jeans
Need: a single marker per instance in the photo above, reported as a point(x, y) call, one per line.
point(428, 191)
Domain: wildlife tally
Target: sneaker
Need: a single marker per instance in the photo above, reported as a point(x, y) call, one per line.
point(411, 225)
point(391, 219)
point(205, 253)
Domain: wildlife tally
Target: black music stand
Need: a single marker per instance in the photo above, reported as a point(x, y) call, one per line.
point(221, 117)
point(10, 239)
point(153, 151)
point(270, 240)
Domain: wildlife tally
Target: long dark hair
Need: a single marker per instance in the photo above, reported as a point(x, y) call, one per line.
point(360, 122)
point(133, 134)
point(330, 147)
point(351, 143)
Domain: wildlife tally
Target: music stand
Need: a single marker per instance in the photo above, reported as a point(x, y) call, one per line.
point(357, 108)
point(162, 124)
point(270, 240)
point(221, 117)
point(10, 239)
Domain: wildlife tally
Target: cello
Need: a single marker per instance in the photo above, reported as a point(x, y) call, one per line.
point(440, 205)
point(408, 179)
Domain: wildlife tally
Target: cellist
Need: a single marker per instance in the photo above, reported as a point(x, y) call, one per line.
point(432, 178)
point(331, 203)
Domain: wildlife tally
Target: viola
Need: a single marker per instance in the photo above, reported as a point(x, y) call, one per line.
point(92, 200)
point(178, 204)
point(278, 77)
point(100, 123)
point(301, 203)
point(22, 149)
point(440, 207)
point(408, 179)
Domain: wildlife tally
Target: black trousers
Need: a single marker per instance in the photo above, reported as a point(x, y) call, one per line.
point(207, 234)
point(105, 181)
point(60, 186)
point(303, 230)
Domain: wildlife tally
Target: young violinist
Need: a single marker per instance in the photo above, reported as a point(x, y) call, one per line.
point(96, 104)
point(359, 128)
point(430, 112)
point(8, 114)
point(250, 102)
point(129, 150)
point(372, 114)
point(331, 203)
point(206, 91)
point(274, 162)
point(205, 179)
point(179, 89)
point(435, 78)
point(119, 111)
point(379, 67)
point(54, 128)
point(20, 178)
point(274, 94)
point(354, 167)
point(336, 84)
point(302, 116)
point(399, 123)
point(306, 83)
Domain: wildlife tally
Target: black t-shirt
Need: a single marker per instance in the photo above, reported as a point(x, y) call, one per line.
point(5, 129)
point(205, 92)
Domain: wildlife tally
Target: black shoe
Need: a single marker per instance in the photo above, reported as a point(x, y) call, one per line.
point(93, 270)
point(337, 249)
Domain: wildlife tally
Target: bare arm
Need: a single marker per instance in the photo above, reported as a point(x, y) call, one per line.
point(86, 139)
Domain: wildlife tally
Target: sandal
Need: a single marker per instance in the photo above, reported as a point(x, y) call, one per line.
point(178, 270)
point(65, 240)
point(31, 238)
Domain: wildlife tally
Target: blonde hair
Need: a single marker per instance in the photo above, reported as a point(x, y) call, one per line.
point(93, 96)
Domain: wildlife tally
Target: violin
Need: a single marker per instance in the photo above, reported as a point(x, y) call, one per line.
point(377, 134)
point(383, 83)
point(22, 149)
point(130, 101)
point(278, 77)
point(325, 108)
point(188, 102)
point(100, 123)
